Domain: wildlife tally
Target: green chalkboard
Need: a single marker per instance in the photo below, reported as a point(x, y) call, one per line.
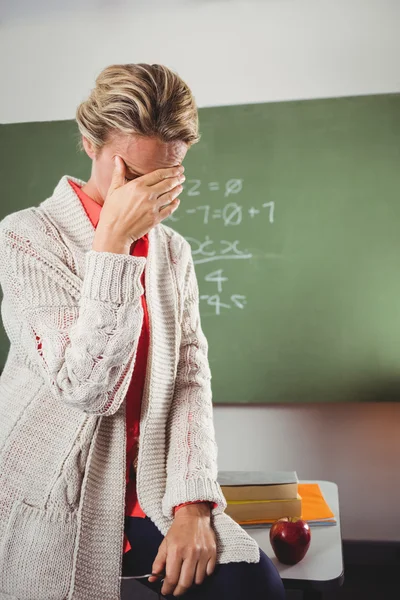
point(293, 213)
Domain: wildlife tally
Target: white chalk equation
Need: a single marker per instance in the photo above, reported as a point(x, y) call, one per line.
point(194, 187)
point(205, 203)
point(207, 250)
point(215, 301)
point(232, 214)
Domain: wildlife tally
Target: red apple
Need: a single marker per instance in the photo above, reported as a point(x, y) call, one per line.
point(290, 539)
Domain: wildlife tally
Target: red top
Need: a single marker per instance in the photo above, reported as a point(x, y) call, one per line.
point(135, 390)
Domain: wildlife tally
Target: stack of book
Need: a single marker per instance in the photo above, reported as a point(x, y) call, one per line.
point(260, 497)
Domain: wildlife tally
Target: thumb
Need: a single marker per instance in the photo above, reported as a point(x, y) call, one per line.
point(118, 176)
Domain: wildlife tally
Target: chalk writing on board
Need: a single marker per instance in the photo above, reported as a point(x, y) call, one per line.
point(206, 210)
point(215, 301)
point(253, 212)
point(208, 250)
point(232, 186)
point(194, 185)
point(271, 206)
point(239, 301)
point(216, 277)
point(231, 214)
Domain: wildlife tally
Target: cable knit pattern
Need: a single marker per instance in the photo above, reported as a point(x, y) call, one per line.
point(73, 317)
point(192, 406)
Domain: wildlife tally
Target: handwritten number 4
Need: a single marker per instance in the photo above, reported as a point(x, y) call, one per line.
point(216, 277)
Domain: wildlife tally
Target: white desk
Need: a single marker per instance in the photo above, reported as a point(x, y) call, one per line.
point(322, 567)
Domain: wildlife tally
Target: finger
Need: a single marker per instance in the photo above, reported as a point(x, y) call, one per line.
point(118, 176)
point(187, 575)
point(211, 565)
point(169, 197)
point(154, 578)
point(159, 563)
point(169, 209)
point(201, 571)
point(173, 570)
point(167, 185)
point(161, 174)
point(185, 578)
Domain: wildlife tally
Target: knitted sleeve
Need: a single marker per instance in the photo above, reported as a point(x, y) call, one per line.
point(80, 336)
point(192, 450)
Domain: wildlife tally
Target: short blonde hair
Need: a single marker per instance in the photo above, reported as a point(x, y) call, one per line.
point(149, 100)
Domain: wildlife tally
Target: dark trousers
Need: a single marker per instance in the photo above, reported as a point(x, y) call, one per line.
point(233, 581)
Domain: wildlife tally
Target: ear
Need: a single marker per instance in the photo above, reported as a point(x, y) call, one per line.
point(88, 146)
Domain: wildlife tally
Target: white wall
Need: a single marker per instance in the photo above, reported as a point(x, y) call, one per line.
point(230, 52)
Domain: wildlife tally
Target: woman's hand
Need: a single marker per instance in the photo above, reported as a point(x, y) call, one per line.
point(188, 552)
point(131, 209)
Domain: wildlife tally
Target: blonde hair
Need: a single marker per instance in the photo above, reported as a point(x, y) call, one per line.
point(149, 100)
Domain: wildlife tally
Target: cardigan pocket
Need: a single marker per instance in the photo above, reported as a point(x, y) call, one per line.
point(36, 552)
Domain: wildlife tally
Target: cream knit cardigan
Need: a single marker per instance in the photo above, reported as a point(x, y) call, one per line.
point(73, 317)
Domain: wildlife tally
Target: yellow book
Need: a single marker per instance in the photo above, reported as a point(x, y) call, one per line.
point(315, 510)
point(258, 485)
point(250, 510)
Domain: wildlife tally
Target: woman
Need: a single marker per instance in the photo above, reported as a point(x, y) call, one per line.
point(107, 442)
